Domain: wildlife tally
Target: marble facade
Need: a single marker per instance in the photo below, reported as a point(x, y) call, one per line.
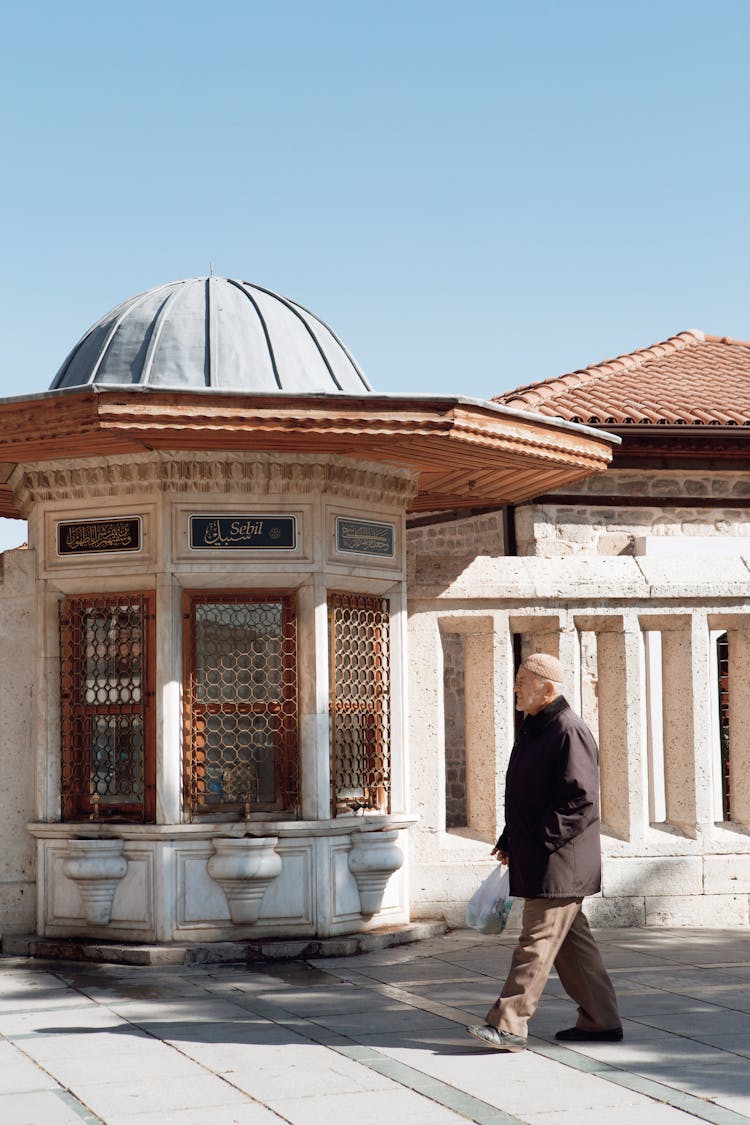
point(166, 891)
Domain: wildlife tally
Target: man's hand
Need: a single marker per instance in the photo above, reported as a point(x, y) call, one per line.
point(502, 857)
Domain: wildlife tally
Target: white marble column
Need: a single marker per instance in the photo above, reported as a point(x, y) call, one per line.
point(168, 661)
point(314, 721)
point(400, 757)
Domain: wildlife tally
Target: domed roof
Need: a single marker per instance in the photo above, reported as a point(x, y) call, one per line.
point(212, 332)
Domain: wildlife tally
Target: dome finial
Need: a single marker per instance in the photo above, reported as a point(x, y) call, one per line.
point(210, 267)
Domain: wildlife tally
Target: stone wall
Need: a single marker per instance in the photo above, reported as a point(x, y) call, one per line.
point(438, 552)
point(17, 771)
point(593, 527)
point(688, 867)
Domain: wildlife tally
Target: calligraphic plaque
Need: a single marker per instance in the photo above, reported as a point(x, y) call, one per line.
point(364, 537)
point(95, 537)
point(243, 533)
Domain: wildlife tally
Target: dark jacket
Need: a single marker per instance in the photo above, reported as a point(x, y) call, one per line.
point(552, 807)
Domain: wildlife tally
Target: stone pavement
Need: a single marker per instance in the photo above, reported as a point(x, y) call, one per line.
point(378, 1037)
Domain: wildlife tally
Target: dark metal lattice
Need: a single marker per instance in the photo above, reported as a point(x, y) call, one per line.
point(360, 702)
point(241, 703)
point(722, 658)
point(106, 706)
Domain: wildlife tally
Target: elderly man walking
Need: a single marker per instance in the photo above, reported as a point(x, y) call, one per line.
point(551, 844)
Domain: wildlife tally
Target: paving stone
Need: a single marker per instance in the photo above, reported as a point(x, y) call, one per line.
point(376, 1036)
point(46, 1107)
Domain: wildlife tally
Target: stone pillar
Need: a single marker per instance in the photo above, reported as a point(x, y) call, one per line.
point(426, 726)
point(589, 709)
point(569, 654)
point(624, 796)
point(739, 724)
point(539, 633)
point(27, 723)
point(489, 721)
point(687, 722)
point(45, 724)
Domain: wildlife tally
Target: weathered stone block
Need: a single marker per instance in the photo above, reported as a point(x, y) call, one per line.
point(18, 908)
point(453, 913)
point(726, 874)
point(608, 912)
point(667, 875)
point(616, 543)
point(448, 883)
point(580, 577)
point(694, 577)
point(18, 572)
point(579, 533)
point(702, 911)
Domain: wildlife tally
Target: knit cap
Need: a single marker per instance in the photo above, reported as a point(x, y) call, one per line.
point(547, 667)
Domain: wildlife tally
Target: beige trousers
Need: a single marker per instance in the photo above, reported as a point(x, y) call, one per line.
point(554, 931)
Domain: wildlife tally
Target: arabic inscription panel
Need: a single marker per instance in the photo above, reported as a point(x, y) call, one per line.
point(364, 538)
point(115, 539)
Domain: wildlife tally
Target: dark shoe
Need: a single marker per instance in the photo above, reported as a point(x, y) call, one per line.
point(493, 1037)
point(581, 1035)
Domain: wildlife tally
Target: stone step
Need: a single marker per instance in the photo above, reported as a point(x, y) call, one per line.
point(203, 953)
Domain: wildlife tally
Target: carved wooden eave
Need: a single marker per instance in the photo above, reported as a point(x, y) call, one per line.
point(467, 453)
point(688, 446)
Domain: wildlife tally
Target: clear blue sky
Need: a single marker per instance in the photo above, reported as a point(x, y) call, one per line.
point(473, 195)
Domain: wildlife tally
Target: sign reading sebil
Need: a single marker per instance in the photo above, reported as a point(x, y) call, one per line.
point(243, 533)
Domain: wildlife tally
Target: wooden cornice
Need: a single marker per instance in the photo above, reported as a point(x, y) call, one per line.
point(681, 447)
point(467, 454)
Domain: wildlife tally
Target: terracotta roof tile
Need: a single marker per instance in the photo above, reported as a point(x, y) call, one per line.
point(689, 379)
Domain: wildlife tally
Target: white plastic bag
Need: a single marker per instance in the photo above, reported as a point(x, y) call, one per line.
point(489, 906)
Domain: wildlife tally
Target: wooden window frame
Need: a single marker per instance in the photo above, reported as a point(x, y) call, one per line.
point(77, 800)
point(374, 712)
point(286, 752)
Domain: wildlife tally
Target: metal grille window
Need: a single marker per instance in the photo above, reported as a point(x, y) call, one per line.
point(107, 707)
point(722, 659)
point(360, 702)
point(240, 703)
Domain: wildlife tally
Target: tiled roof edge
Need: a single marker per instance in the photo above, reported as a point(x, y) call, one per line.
point(726, 340)
point(535, 393)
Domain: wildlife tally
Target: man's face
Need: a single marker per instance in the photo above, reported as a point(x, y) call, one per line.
point(532, 692)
